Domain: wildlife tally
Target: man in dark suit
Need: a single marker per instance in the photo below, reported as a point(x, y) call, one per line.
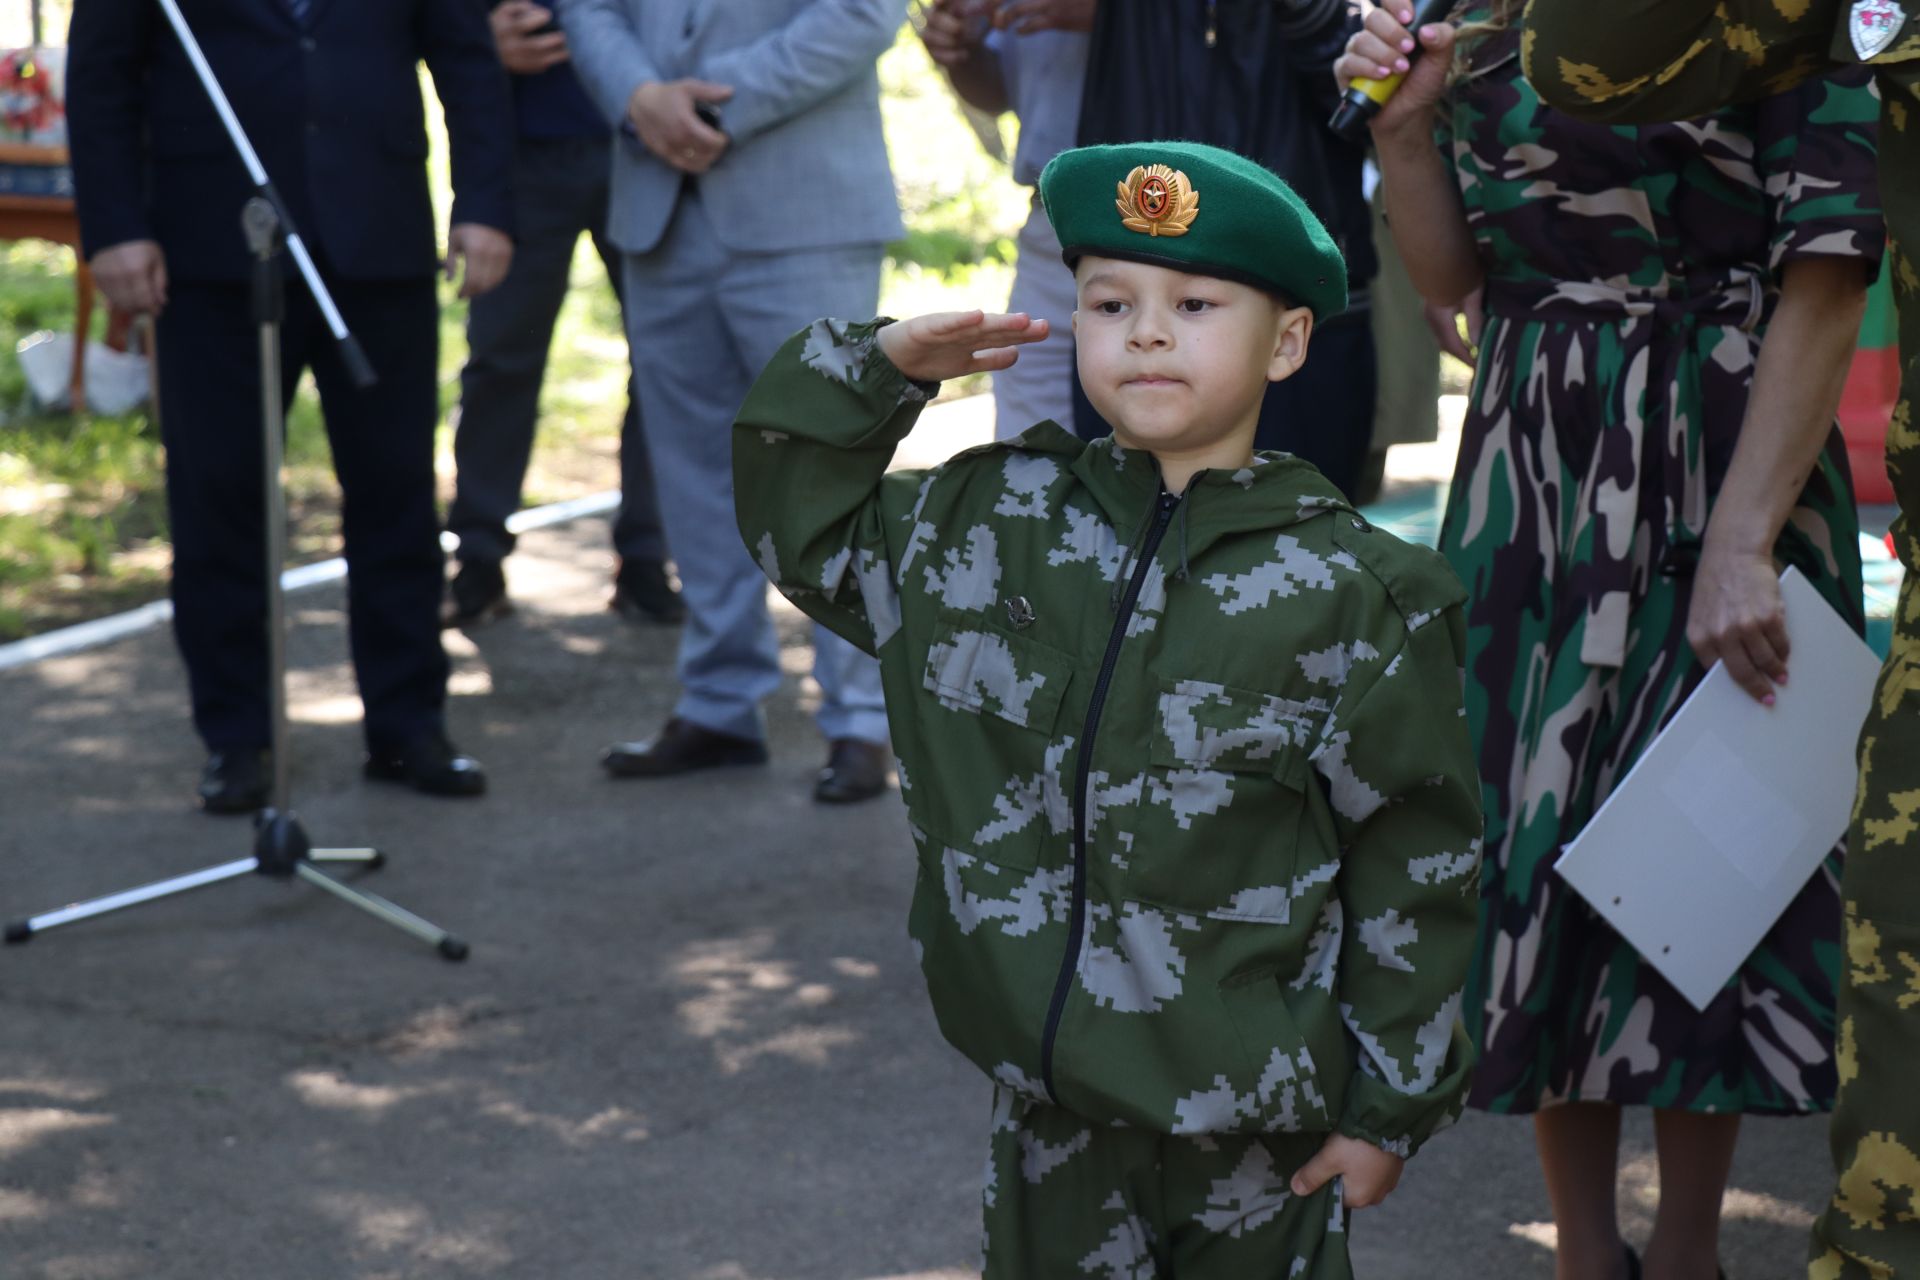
point(329, 94)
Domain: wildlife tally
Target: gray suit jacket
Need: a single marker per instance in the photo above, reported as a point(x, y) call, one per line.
point(808, 164)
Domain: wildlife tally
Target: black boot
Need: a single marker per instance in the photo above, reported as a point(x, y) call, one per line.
point(642, 592)
point(855, 771)
point(477, 594)
point(429, 764)
point(681, 747)
point(236, 781)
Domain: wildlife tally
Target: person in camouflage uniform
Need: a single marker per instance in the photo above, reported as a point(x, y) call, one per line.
point(1670, 309)
point(1179, 734)
point(1661, 59)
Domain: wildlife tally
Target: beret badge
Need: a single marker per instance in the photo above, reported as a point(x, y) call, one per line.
point(1157, 201)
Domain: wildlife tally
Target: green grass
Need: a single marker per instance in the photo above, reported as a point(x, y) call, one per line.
point(82, 497)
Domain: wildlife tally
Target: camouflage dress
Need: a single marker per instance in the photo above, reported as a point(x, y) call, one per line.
point(1648, 59)
point(1629, 274)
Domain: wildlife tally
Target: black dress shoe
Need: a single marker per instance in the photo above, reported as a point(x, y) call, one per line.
point(642, 592)
point(855, 771)
point(477, 594)
point(429, 764)
point(236, 781)
point(681, 747)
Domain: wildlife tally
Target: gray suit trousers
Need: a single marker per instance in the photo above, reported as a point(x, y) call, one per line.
point(704, 321)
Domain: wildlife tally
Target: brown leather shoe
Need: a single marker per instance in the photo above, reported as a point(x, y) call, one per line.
point(681, 747)
point(855, 771)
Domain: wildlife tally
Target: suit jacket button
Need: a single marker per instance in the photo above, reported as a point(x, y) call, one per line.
point(308, 44)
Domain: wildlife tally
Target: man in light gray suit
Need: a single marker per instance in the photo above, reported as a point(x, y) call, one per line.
point(751, 195)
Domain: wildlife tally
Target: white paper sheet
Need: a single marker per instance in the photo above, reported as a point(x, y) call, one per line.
point(1720, 823)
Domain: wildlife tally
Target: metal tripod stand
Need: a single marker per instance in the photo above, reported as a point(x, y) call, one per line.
point(281, 847)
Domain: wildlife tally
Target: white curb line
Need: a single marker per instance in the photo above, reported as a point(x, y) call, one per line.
point(91, 635)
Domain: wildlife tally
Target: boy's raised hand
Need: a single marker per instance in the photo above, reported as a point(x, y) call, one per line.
point(1367, 1173)
point(948, 344)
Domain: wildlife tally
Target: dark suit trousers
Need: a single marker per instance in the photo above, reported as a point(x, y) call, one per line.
point(559, 191)
point(382, 441)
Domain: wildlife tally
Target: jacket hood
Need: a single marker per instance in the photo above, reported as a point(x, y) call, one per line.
point(1274, 491)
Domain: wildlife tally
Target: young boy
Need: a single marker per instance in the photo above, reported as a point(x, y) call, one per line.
point(1180, 737)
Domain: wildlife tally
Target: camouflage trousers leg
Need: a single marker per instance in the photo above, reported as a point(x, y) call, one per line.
point(1872, 1226)
point(1065, 1198)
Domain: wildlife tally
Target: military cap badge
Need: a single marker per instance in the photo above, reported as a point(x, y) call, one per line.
point(1157, 201)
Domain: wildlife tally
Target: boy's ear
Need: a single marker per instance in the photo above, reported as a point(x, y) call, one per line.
point(1074, 322)
point(1293, 330)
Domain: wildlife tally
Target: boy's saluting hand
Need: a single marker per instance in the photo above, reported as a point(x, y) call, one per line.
point(948, 344)
point(1367, 1173)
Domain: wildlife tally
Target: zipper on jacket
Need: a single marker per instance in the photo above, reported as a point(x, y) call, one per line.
point(1083, 773)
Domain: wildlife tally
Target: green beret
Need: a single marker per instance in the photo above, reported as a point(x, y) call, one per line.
point(1194, 208)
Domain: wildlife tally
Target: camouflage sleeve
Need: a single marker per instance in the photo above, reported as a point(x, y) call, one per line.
point(1817, 153)
point(1399, 767)
point(1640, 61)
point(811, 488)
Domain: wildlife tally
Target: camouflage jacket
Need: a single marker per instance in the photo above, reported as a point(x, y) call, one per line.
point(1195, 804)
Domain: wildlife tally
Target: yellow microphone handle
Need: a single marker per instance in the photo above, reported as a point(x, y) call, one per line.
point(1378, 90)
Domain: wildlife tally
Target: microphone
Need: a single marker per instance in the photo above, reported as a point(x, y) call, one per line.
point(1365, 97)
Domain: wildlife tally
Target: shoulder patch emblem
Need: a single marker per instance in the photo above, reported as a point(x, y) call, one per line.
point(1873, 24)
point(1158, 201)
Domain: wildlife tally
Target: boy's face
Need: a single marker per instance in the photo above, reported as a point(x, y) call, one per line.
point(1178, 363)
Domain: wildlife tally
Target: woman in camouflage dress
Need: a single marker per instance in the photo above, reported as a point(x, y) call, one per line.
point(1669, 316)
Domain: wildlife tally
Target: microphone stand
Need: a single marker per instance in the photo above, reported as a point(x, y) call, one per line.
point(281, 847)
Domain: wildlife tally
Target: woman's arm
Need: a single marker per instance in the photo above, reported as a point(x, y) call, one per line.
point(1424, 211)
point(1736, 614)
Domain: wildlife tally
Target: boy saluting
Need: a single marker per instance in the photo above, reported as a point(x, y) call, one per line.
point(1180, 737)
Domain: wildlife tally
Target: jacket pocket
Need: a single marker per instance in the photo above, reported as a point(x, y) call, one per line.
point(1222, 803)
point(990, 702)
point(1280, 1074)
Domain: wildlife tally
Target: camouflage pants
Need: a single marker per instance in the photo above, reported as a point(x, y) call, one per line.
point(1872, 1227)
point(1067, 1198)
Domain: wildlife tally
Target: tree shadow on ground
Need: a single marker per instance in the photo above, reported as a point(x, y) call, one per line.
point(690, 1041)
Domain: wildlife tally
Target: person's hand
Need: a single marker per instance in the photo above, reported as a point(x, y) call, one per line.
point(1380, 48)
point(948, 344)
point(485, 252)
point(1024, 17)
point(662, 114)
point(133, 275)
point(953, 31)
point(1736, 616)
point(1367, 1174)
point(521, 51)
point(1445, 325)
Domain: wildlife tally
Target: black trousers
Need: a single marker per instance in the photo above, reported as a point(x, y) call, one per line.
point(1323, 413)
point(560, 189)
point(382, 441)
